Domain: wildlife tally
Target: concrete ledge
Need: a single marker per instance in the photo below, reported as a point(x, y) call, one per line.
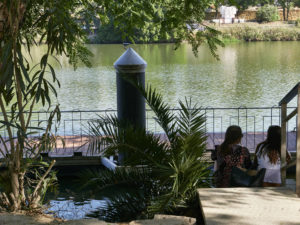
point(166, 220)
point(249, 206)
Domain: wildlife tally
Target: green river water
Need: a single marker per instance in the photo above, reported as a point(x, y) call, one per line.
point(247, 74)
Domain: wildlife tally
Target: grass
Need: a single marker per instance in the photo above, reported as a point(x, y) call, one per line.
point(227, 40)
point(252, 33)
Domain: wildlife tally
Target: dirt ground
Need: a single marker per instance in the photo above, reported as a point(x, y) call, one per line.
point(40, 219)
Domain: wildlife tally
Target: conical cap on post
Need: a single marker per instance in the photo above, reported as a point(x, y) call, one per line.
point(130, 62)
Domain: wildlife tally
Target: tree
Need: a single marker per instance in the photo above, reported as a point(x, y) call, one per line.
point(108, 33)
point(297, 3)
point(168, 17)
point(25, 23)
point(267, 13)
point(22, 86)
point(286, 7)
point(244, 4)
point(171, 170)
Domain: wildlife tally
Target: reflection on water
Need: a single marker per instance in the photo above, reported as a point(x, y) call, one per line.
point(69, 200)
point(248, 74)
point(70, 209)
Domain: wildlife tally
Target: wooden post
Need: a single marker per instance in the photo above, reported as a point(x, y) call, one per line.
point(298, 146)
point(283, 142)
point(1, 21)
point(130, 102)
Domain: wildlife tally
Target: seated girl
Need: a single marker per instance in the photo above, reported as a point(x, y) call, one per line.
point(267, 155)
point(231, 154)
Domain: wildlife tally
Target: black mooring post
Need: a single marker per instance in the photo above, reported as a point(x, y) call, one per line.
point(130, 102)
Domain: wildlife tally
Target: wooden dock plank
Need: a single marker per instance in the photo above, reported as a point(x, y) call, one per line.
point(249, 206)
point(80, 143)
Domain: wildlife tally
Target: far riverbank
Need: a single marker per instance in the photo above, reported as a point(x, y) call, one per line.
point(276, 31)
point(249, 31)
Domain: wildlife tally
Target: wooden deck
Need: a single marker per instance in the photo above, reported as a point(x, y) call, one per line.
point(250, 140)
point(64, 155)
point(250, 206)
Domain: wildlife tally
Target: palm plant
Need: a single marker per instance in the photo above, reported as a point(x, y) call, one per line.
point(172, 169)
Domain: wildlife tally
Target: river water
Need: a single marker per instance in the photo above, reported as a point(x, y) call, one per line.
point(247, 74)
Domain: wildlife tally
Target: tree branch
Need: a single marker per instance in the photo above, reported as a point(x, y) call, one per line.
point(38, 186)
point(4, 144)
point(4, 200)
point(7, 125)
point(30, 113)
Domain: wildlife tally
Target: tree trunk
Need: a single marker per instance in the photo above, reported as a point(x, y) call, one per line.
point(22, 191)
point(15, 185)
point(216, 13)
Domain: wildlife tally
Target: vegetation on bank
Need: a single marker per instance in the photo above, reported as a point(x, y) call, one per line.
point(247, 33)
point(109, 34)
point(232, 34)
point(267, 13)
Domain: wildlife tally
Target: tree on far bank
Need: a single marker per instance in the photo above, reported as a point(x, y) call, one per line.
point(297, 3)
point(286, 5)
point(158, 19)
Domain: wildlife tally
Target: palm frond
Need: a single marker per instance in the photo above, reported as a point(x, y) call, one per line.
point(103, 132)
point(192, 128)
point(163, 203)
point(129, 176)
point(141, 147)
point(164, 116)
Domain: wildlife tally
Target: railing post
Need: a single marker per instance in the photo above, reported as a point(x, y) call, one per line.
point(298, 146)
point(283, 142)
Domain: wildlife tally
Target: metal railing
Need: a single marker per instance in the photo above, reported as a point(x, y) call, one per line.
point(254, 122)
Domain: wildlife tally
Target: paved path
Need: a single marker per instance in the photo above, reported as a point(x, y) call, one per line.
point(250, 206)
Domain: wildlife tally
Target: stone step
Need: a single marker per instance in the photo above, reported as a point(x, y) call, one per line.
point(166, 220)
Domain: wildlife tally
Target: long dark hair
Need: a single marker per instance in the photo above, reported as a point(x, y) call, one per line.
point(232, 135)
point(271, 146)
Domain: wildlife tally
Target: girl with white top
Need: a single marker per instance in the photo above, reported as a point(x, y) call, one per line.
point(267, 155)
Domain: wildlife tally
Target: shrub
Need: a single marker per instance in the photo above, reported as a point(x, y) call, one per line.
point(267, 13)
point(250, 34)
point(262, 34)
point(297, 23)
point(172, 171)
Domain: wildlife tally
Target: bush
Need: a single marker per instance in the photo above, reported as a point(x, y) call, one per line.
point(267, 13)
point(261, 34)
point(111, 34)
point(297, 22)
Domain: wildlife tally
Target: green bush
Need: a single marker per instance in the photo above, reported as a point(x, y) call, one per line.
point(172, 170)
point(246, 33)
point(267, 13)
point(111, 34)
point(297, 22)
